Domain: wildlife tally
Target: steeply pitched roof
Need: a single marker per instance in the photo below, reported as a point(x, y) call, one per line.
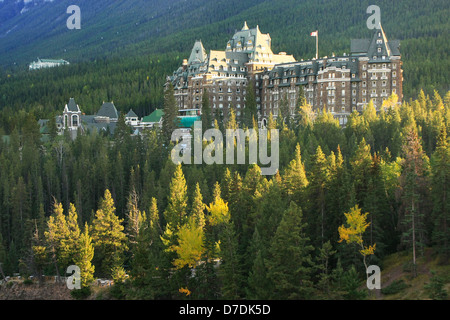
point(378, 46)
point(131, 114)
point(155, 116)
point(72, 106)
point(108, 110)
point(198, 53)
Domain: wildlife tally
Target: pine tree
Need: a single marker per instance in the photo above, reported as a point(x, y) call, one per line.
point(413, 182)
point(56, 233)
point(439, 187)
point(176, 211)
point(259, 285)
point(135, 217)
point(83, 257)
point(198, 207)
point(323, 266)
point(317, 192)
point(230, 271)
point(108, 235)
point(206, 112)
point(69, 244)
point(284, 116)
point(250, 110)
point(170, 117)
point(289, 263)
point(294, 178)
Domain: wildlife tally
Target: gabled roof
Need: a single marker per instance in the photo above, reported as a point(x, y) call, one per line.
point(198, 53)
point(378, 46)
point(108, 110)
point(72, 106)
point(131, 114)
point(154, 117)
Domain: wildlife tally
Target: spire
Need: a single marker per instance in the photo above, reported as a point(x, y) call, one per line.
point(245, 27)
point(379, 46)
point(198, 53)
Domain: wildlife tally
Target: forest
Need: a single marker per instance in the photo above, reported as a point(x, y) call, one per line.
point(119, 208)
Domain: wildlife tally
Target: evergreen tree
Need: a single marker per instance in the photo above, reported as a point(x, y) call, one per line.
point(176, 211)
point(69, 244)
point(413, 181)
point(170, 117)
point(108, 236)
point(198, 207)
point(230, 272)
point(294, 178)
point(439, 187)
point(317, 191)
point(83, 257)
point(56, 233)
point(289, 263)
point(251, 109)
point(206, 112)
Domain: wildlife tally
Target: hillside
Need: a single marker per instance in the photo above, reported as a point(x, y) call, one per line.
point(397, 282)
point(136, 28)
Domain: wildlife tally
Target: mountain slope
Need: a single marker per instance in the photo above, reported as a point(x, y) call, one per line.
point(124, 28)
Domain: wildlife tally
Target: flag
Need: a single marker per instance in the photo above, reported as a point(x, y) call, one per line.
point(314, 33)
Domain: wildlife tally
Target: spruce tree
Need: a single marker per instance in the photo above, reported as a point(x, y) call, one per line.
point(170, 118)
point(294, 178)
point(108, 236)
point(206, 112)
point(439, 190)
point(83, 257)
point(251, 109)
point(176, 211)
point(289, 263)
point(413, 181)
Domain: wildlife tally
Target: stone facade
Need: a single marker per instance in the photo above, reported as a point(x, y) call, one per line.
point(340, 84)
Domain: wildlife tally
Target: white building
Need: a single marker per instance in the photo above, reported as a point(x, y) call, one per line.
point(47, 63)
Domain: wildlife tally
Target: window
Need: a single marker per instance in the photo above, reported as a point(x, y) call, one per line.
point(379, 50)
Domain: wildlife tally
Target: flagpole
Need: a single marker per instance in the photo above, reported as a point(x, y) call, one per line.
point(317, 45)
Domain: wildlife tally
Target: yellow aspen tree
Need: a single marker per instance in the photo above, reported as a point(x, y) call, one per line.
point(353, 232)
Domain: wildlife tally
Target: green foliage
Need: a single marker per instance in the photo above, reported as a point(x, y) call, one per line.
point(395, 287)
point(436, 288)
point(234, 234)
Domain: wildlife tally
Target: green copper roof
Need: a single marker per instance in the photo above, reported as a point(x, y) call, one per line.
point(155, 116)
